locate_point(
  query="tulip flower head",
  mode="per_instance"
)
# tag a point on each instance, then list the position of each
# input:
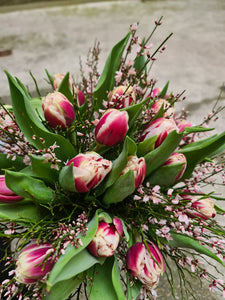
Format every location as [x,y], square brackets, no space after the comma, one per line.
[79,96]
[89,170]
[177,158]
[122,96]
[57,79]
[182,124]
[169,111]
[138,165]
[145,264]
[112,127]
[58,110]
[6,195]
[202,207]
[34,263]
[160,127]
[106,239]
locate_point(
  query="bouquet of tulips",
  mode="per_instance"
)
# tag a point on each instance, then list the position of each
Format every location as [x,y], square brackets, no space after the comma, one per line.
[102,185]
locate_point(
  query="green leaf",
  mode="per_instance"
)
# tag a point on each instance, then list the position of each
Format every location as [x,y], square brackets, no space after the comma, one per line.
[102,285]
[133,112]
[63,289]
[117,281]
[28,187]
[65,260]
[122,188]
[80,262]
[219,209]
[8,163]
[157,157]
[107,79]
[197,151]
[184,241]
[64,88]
[134,289]
[21,211]
[66,178]
[146,146]
[36,104]
[192,129]
[50,77]
[140,60]
[129,148]
[165,175]
[164,90]
[31,125]
[43,169]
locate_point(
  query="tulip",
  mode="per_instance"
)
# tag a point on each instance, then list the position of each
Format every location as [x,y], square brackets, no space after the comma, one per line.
[89,169]
[177,158]
[58,110]
[106,239]
[57,79]
[122,96]
[155,92]
[112,127]
[183,124]
[138,165]
[145,264]
[34,263]
[160,127]
[6,195]
[169,111]
[202,207]
[79,96]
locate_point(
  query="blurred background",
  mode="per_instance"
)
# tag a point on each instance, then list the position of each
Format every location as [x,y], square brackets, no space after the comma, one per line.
[55,35]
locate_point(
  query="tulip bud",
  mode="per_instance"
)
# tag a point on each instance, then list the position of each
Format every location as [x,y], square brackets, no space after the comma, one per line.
[112,127]
[106,239]
[89,169]
[6,195]
[34,263]
[155,92]
[177,158]
[57,79]
[169,111]
[138,165]
[184,123]
[202,207]
[58,110]
[79,96]
[145,264]
[122,96]
[161,127]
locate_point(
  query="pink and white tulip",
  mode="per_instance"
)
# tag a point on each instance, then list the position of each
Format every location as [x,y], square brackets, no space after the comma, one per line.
[160,127]
[202,207]
[183,124]
[106,239]
[112,127]
[169,111]
[122,96]
[34,263]
[58,110]
[145,264]
[79,96]
[57,79]
[6,195]
[89,169]
[137,165]
[177,158]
